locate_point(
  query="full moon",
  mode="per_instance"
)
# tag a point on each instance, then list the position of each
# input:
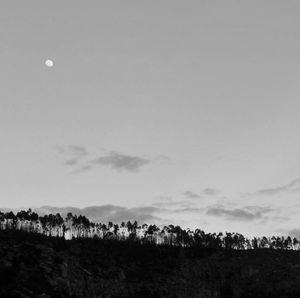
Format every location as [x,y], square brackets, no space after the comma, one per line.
[49,63]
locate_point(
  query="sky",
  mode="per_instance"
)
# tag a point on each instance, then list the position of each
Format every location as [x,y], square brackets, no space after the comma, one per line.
[183,112]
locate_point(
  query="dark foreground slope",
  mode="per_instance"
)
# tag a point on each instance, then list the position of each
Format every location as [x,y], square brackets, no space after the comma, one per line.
[33,265]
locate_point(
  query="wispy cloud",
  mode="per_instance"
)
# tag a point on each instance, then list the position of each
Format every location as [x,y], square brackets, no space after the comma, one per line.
[74,154]
[75,158]
[211,191]
[280,218]
[117,214]
[293,186]
[175,204]
[205,192]
[78,150]
[106,213]
[164,199]
[82,169]
[169,203]
[121,162]
[188,210]
[246,213]
[162,159]
[191,195]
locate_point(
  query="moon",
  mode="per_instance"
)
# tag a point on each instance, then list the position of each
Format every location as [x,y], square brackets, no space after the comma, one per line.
[49,63]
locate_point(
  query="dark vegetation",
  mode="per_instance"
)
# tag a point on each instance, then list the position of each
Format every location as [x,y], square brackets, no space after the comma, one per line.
[32,264]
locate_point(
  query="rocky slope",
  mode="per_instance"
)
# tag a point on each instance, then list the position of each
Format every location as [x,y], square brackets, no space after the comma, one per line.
[33,265]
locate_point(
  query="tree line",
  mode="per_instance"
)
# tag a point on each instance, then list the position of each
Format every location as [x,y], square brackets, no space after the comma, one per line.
[73,226]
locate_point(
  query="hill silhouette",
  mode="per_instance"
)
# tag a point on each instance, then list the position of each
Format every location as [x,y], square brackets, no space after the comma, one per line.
[37,261]
[34,265]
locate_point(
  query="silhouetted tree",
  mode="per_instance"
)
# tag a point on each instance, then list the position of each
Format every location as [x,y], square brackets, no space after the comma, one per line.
[80,226]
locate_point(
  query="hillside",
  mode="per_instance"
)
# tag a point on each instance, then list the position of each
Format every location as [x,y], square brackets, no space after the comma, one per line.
[34,265]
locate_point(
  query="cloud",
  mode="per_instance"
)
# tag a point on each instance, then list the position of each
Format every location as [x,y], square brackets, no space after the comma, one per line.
[163,159]
[205,192]
[175,204]
[53,210]
[188,209]
[191,195]
[71,162]
[82,169]
[168,202]
[258,209]
[78,150]
[211,191]
[75,154]
[117,214]
[165,199]
[293,186]
[122,162]
[280,218]
[118,161]
[246,213]
[106,213]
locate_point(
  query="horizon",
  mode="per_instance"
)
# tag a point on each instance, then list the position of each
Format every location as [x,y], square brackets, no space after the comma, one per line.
[117,215]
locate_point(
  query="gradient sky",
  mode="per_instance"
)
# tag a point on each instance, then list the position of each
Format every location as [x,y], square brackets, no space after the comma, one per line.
[186,111]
